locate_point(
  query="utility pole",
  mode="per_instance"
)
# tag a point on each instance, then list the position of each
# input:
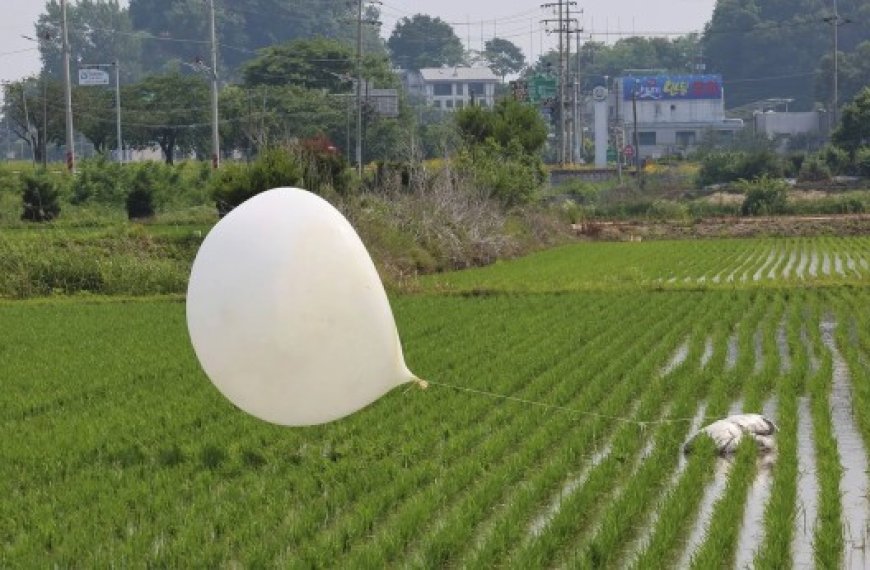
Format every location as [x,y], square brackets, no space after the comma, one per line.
[120,141]
[836,62]
[836,22]
[564,29]
[67,94]
[116,65]
[359,87]
[215,133]
[359,80]
[636,138]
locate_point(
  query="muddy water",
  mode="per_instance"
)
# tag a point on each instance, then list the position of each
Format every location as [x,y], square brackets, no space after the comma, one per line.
[814,264]
[792,258]
[540,523]
[677,359]
[780,260]
[802,266]
[826,264]
[708,352]
[854,483]
[807,490]
[752,529]
[636,548]
[731,355]
[811,355]
[771,257]
[782,348]
[864,264]
[712,494]
[851,265]
[838,265]
[758,343]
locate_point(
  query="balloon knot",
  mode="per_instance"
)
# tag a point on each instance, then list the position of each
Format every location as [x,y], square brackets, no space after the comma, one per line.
[422,384]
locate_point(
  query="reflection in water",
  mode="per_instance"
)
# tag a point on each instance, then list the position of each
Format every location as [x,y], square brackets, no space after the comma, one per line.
[854,483]
[752,530]
[807,490]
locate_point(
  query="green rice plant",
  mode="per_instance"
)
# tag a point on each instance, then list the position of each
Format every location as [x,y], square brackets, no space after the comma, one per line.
[828,540]
[775,550]
[405,526]
[721,538]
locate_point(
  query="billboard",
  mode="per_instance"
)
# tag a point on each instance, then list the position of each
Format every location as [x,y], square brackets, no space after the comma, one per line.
[90,76]
[672,87]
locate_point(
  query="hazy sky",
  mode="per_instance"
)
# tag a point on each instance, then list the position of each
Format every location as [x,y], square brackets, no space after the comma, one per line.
[518,21]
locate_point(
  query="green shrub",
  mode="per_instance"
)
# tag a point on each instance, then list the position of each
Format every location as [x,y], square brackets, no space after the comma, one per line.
[40,196]
[507,175]
[764,196]
[793,164]
[324,169]
[235,183]
[836,158]
[862,161]
[582,192]
[99,181]
[723,167]
[140,198]
[814,169]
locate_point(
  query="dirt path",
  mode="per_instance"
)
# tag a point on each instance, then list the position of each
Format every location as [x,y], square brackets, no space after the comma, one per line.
[781,226]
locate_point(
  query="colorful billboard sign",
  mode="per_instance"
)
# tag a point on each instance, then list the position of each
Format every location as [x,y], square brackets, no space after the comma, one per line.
[672,87]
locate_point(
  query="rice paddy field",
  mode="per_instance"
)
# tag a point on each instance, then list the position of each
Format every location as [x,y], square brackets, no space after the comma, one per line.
[563,387]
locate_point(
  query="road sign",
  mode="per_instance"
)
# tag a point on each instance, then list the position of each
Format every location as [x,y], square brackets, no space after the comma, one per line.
[90,76]
[628,151]
[542,87]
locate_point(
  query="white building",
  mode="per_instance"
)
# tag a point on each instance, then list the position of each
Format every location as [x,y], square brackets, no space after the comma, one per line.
[673,112]
[452,88]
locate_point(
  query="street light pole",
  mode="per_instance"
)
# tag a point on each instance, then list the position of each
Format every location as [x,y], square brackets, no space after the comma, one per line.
[67,93]
[215,133]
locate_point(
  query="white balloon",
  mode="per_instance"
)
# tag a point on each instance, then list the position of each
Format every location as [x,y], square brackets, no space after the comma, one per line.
[287,313]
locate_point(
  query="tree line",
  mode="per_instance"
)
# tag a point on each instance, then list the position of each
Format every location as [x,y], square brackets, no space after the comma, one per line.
[287,66]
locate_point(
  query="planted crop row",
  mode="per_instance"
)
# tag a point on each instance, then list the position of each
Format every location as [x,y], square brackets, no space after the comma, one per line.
[669,264]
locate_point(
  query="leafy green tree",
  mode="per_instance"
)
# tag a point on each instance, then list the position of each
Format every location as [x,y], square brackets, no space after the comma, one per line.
[317,63]
[502,149]
[854,129]
[422,41]
[504,57]
[771,48]
[171,111]
[506,123]
[24,113]
[100,31]
[245,26]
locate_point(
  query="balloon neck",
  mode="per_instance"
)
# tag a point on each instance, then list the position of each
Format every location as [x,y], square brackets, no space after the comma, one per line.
[422,384]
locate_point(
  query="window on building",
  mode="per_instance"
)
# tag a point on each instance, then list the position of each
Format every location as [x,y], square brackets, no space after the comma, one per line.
[646,138]
[686,138]
[481,103]
[459,103]
[478,89]
[437,103]
[442,89]
[448,103]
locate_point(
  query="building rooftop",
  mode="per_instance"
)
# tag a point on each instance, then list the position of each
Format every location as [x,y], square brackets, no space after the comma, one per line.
[458,74]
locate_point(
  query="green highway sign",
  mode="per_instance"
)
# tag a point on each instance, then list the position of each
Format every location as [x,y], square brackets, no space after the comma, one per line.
[541,88]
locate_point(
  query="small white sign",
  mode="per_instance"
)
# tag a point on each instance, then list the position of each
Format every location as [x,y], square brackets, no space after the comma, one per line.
[93,77]
[599,93]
